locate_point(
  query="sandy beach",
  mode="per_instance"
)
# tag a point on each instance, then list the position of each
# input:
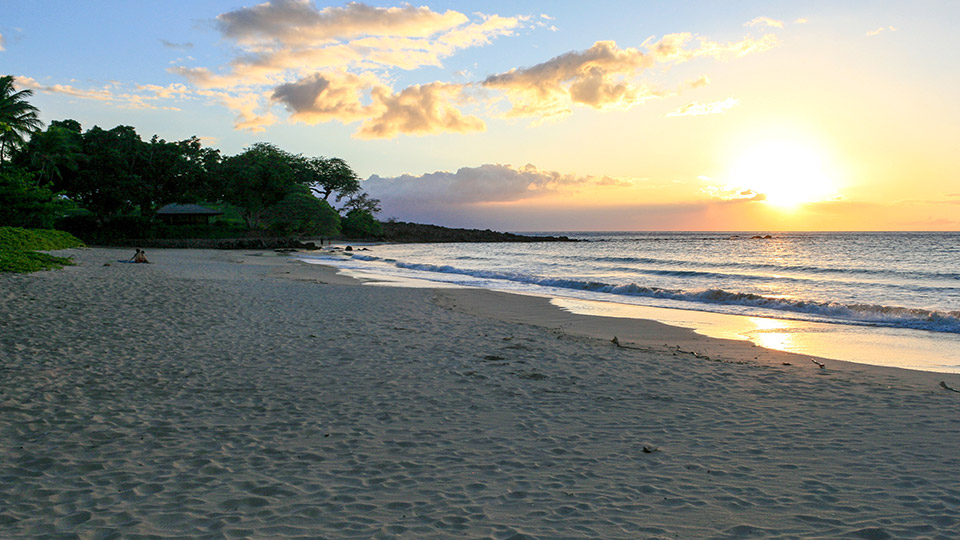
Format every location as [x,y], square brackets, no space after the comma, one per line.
[243,394]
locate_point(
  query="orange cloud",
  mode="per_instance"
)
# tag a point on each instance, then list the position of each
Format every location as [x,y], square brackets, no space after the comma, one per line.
[325,97]
[700,109]
[319,63]
[142,97]
[603,76]
[880,30]
[596,77]
[332,64]
[297,21]
[418,110]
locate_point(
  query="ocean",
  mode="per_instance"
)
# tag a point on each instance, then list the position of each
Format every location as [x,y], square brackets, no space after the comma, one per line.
[880,298]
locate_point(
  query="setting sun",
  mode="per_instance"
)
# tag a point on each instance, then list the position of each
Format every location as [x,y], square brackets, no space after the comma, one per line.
[784,174]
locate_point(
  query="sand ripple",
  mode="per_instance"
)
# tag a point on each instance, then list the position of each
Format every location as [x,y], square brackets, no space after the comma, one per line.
[201,398]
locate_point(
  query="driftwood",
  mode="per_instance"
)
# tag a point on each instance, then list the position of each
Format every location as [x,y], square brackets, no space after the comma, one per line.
[821,364]
[948,387]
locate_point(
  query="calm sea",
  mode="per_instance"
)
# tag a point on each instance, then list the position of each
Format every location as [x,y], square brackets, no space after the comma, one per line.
[881,298]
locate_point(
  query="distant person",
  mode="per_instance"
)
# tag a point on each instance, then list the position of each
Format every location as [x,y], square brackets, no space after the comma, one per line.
[140,256]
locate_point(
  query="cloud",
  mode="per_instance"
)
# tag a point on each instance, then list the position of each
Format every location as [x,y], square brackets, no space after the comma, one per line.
[764,21]
[880,30]
[321,63]
[140,97]
[604,76]
[733,194]
[248,106]
[415,110]
[418,110]
[291,36]
[596,77]
[1,43]
[298,21]
[178,46]
[325,97]
[699,82]
[477,185]
[801,20]
[700,109]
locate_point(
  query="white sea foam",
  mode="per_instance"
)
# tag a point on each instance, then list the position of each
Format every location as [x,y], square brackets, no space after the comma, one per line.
[899,280]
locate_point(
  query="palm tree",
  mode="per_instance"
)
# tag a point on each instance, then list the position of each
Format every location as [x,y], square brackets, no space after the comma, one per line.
[18,118]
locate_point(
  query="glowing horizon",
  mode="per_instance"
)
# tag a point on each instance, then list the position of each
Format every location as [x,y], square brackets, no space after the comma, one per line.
[541,116]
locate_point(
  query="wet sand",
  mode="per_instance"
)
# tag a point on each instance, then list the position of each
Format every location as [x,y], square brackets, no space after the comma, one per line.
[218,394]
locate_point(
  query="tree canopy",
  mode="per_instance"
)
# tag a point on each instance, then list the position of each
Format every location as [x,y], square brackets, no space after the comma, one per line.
[332,175]
[118,180]
[18,118]
[260,177]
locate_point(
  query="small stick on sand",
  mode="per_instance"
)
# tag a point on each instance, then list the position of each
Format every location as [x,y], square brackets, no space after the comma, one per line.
[821,364]
[615,341]
[948,387]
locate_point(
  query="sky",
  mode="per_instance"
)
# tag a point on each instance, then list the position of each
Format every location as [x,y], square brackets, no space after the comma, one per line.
[540,116]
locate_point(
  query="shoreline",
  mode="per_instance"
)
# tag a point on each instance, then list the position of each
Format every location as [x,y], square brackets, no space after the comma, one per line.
[248,394]
[644,334]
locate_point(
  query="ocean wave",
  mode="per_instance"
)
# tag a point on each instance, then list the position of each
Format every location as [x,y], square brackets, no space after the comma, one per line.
[787,268]
[866,314]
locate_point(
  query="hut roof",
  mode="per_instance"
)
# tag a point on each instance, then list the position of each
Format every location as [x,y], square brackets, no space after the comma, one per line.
[188,209]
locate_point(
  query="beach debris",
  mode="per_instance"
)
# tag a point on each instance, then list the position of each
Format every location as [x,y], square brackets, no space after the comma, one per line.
[821,364]
[948,387]
[615,341]
[106,264]
[784,363]
[649,449]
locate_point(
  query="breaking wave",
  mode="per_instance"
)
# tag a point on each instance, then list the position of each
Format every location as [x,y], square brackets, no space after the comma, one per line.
[863,314]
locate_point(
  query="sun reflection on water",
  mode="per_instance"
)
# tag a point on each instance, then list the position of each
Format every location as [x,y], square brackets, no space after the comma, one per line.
[770,333]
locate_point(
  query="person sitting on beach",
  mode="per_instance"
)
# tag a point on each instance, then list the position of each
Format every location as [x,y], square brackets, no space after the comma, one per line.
[140,256]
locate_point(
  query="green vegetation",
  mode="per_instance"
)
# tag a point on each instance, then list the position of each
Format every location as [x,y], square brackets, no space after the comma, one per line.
[361,224]
[18,118]
[106,186]
[19,247]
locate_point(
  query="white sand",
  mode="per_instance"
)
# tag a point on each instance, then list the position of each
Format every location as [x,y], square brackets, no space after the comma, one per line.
[201,398]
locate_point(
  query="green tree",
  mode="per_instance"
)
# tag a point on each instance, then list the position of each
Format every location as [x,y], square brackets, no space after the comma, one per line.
[109,181]
[258,178]
[301,213]
[18,118]
[25,202]
[364,202]
[332,175]
[175,172]
[55,154]
[361,224]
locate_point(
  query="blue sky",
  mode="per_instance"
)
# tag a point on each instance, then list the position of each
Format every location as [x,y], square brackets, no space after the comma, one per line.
[646,107]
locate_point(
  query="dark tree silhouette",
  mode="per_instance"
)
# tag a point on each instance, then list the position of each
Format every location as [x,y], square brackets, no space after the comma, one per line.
[18,118]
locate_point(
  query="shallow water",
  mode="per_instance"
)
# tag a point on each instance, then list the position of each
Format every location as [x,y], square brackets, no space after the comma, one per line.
[878,298]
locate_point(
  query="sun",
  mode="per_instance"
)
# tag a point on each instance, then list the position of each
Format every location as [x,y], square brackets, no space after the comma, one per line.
[784,174]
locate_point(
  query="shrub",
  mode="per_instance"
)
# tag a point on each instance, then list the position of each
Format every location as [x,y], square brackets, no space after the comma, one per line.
[18,249]
[25,203]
